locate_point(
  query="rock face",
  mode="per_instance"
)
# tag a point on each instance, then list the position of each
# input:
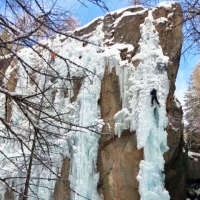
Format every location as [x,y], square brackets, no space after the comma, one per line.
[193,167]
[176,157]
[118,158]
[193,175]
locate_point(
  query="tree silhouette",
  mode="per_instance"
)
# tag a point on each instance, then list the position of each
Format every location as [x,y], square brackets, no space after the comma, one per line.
[192,109]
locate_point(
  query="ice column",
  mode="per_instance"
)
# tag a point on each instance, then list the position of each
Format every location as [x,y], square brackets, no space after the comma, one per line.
[83,176]
[148,122]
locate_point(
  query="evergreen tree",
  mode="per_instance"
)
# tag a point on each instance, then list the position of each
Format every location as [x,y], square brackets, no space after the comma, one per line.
[193,109]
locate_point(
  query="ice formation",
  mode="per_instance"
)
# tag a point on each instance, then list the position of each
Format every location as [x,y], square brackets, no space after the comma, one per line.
[80,144]
[148,122]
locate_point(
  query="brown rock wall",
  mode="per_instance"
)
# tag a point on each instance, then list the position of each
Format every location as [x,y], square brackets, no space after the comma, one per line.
[118,160]
[176,156]
[62,187]
[193,168]
[119,166]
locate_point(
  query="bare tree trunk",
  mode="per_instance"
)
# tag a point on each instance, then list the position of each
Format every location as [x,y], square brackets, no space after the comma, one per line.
[25,194]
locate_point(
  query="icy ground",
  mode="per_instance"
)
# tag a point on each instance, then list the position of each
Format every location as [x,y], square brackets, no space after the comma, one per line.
[80,144]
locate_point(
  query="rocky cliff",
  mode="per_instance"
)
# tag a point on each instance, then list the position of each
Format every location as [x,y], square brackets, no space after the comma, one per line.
[118,160]
[124,150]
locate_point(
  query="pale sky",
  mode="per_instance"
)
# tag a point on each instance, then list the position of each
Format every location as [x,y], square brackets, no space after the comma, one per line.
[86,14]
[185,70]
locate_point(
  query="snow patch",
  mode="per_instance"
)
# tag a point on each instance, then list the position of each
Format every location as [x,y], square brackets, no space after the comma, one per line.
[122,121]
[161,20]
[167,4]
[128,13]
[191,154]
[123,9]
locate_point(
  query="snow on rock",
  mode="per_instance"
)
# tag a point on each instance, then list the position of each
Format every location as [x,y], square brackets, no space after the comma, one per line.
[191,154]
[161,20]
[166,4]
[128,13]
[124,9]
[177,102]
[5,56]
[88,24]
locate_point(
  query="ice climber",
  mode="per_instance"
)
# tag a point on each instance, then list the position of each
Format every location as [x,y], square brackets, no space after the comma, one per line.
[154,97]
[53,55]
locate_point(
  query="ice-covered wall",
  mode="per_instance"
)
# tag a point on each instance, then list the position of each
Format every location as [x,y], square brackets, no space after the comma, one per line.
[130,49]
[148,121]
[78,136]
